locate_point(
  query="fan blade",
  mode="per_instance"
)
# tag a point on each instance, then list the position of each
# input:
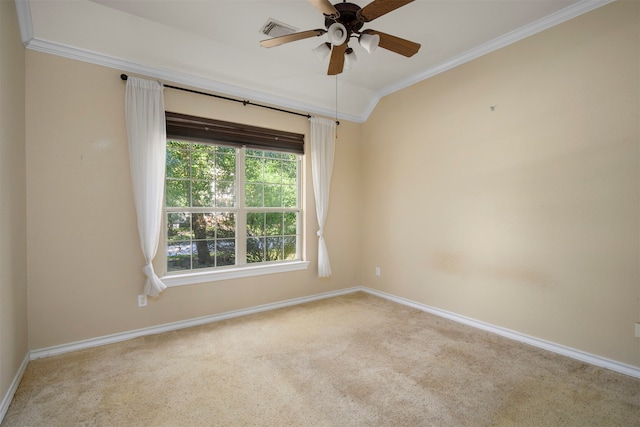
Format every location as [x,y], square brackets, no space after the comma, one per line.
[277,41]
[377,8]
[396,44]
[336,64]
[325,7]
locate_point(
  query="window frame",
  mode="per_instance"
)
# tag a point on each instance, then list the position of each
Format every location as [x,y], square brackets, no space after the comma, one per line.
[197,130]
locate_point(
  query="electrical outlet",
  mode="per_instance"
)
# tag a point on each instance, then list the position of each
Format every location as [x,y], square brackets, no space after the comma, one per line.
[377,271]
[637,329]
[142,300]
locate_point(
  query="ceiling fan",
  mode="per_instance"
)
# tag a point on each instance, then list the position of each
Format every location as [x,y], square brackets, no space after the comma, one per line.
[345,20]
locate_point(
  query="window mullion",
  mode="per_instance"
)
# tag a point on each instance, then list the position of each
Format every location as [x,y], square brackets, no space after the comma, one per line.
[191,201]
[241,217]
[298,206]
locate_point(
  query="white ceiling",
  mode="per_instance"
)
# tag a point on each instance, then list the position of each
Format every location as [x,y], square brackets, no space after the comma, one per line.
[214,44]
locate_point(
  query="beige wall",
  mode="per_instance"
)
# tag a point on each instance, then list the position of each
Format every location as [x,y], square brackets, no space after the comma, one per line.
[526,217]
[13,277]
[84,257]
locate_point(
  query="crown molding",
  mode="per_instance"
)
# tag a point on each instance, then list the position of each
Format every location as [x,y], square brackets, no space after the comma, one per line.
[31,42]
[25,21]
[514,36]
[180,78]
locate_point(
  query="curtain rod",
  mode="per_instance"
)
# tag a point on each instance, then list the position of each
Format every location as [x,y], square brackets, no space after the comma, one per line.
[243,102]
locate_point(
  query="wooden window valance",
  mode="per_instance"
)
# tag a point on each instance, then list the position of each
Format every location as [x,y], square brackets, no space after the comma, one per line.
[199,129]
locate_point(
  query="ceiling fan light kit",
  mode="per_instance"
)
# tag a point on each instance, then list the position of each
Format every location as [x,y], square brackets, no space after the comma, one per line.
[343,21]
[350,58]
[337,34]
[322,51]
[369,41]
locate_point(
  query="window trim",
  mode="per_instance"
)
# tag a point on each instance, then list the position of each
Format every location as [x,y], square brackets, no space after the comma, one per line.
[235,272]
[274,141]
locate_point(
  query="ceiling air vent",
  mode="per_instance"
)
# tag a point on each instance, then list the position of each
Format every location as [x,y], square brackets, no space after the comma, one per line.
[274,28]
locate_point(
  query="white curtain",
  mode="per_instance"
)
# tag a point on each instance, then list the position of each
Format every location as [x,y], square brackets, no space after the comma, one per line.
[144,109]
[323,134]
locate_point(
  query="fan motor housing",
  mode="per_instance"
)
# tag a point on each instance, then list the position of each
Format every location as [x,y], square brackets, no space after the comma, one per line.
[349,17]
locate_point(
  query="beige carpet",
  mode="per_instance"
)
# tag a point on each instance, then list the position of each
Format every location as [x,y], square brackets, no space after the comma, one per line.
[353,360]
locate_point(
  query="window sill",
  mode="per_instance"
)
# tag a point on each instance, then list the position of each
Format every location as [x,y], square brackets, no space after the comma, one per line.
[232,273]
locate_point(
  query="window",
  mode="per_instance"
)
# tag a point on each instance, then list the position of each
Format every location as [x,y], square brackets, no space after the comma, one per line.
[231,199]
[200,200]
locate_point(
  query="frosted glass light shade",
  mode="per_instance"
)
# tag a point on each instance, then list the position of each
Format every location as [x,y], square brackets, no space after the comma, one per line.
[337,34]
[369,42]
[322,51]
[350,58]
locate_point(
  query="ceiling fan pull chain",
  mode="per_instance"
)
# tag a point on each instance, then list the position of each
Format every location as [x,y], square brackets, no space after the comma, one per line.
[336,105]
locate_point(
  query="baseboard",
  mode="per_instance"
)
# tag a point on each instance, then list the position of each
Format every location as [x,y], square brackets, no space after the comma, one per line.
[536,342]
[592,359]
[8,397]
[114,338]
